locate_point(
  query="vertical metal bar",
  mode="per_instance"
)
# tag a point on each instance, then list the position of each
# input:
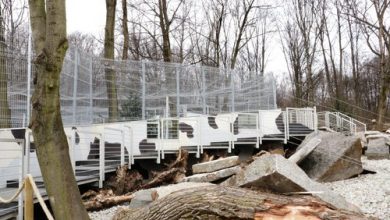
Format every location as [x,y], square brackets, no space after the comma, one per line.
[29,55]
[177,91]
[21,177]
[101,160]
[203,90]
[123,148]
[91,89]
[167,106]
[75,78]
[231,72]
[71,150]
[274,91]
[143,90]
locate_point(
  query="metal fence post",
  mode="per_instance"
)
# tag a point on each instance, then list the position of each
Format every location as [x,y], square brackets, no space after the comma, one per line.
[232,87]
[178,91]
[143,89]
[29,55]
[75,78]
[91,89]
[101,160]
[203,90]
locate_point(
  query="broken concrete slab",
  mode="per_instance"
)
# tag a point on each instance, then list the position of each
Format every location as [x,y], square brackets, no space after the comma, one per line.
[144,197]
[337,157]
[377,149]
[214,176]
[305,150]
[215,165]
[276,173]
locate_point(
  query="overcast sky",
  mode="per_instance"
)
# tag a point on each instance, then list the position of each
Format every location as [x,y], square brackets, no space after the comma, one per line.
[88,16]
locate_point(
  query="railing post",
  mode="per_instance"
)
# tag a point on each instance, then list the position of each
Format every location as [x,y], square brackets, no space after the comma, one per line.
[160,138]
[29,70]
[123,148]
[71,150]
[143,90]
[177,91]
[232,88]
[91,89]
[101,160]
[260,128]
[285,118]
[203,90]
[21,178]
[75,81]
[257,131]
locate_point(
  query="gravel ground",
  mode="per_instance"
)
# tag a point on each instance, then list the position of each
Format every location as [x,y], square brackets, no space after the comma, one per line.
[370,192]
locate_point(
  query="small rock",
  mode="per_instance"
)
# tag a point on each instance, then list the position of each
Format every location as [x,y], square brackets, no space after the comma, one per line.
[215,165]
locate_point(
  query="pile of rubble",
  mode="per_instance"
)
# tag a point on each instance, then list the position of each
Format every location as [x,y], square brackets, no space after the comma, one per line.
[321,159]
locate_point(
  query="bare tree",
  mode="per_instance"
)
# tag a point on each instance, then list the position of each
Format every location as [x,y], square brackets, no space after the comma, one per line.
[125,31]
[48,23]
[109,53]
[378,29]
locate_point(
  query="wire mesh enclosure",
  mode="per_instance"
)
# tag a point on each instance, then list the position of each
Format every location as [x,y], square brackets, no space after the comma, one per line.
[142,89]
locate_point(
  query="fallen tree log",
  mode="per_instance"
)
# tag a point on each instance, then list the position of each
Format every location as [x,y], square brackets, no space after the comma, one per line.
[218,202]
[105,202]
[173,174]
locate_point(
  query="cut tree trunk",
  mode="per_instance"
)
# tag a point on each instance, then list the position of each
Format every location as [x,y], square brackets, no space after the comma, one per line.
[217,202]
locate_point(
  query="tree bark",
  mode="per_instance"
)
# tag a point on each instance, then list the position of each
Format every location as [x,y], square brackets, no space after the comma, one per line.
[5,113]
[48,24]
[109,52]
[217,202]
[125,52]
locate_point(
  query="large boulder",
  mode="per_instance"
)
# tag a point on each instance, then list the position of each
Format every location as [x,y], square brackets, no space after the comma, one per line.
[214,165]
[213,176]
[146,196]
[337,157]
[276,173]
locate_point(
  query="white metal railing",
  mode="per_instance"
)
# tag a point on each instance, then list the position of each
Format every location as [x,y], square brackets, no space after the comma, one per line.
[340,122]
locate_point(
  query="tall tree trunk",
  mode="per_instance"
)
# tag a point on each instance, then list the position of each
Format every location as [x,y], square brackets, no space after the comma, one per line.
[217,202]
[48,24]
[125,52]
[109,51]
[165,29]
[5,113]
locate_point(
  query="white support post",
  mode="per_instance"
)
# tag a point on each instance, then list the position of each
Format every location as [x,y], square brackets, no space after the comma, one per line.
[75,79]
[91,89]
[29,57]
[123,148]
[260,128]
[257,131]
[177,92]
[72,146]
[160,139]
[203,90]
[285,117]
[27,138]
[232,88]
[101,160]
[143,90]
[315,116]
[21,177]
